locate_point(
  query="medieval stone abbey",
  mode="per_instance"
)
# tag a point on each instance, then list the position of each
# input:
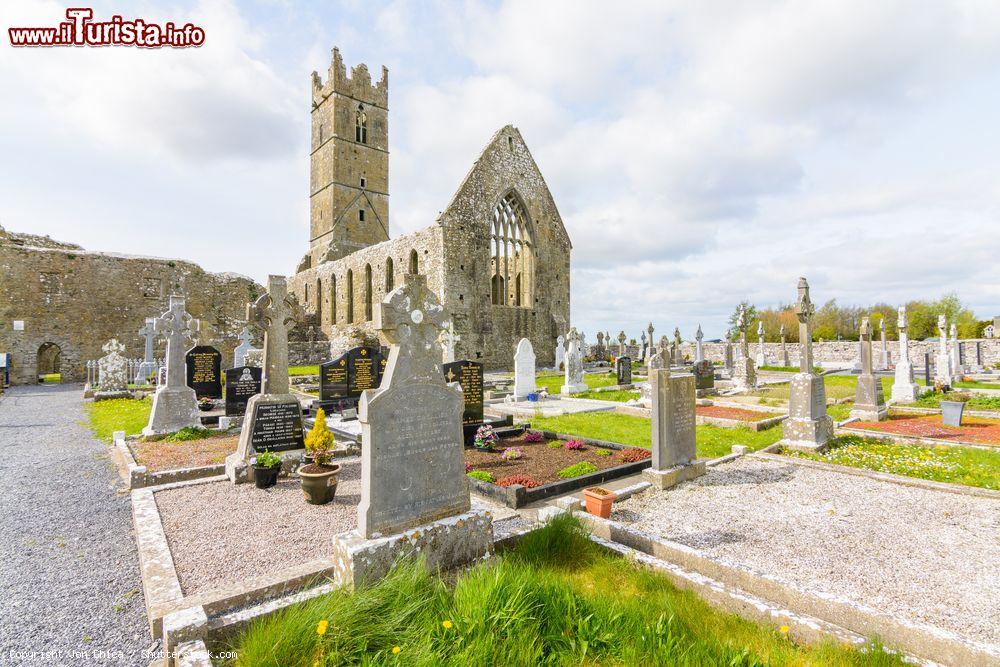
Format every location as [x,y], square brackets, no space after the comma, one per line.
[498,256]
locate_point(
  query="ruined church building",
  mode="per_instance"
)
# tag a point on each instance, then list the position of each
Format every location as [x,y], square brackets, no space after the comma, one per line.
[498,257]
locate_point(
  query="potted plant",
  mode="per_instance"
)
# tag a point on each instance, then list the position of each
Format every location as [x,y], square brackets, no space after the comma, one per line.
[266,468]
[319,478]
[205,404]
[598,500]
[951,410]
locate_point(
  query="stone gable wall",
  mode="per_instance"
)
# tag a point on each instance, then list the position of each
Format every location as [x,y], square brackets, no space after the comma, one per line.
[79,299]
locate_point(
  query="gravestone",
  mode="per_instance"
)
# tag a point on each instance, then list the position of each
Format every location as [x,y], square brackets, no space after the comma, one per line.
[600,345]
[203,365]
[175,405]
[652,341]
[242,384]
[246,344]
[927,370]
[560,351]
[573,373]
[943,375]
[673,430]
[524,370]
[469,376]
[113,371]
[704,378]
[699,351]
[623,370]
[448,341]
[643,350]
[678,358]
[869,405]
[148,366]
[761,351]
[342,380]
[957,368]
[412,472]
[884,363]
[621,344]
[728,360]
[744,374]
[784,350]
[904,389]
[273,417]
[808,427]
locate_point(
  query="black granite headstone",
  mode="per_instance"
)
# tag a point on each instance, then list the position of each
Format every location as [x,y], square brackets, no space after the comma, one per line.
[927,369]
[342,380]
[204,371]
[241,383]
[278,427]
[623,370]
[469,375]
[704,375]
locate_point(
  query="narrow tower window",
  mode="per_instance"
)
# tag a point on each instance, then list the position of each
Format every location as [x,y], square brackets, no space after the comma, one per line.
[333,299]
[361,125]
[414,262]
[350,296]
[361,215]
[368,292]
[390,279]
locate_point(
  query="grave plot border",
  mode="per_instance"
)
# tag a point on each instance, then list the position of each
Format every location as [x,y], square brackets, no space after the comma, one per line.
[701,420]
[517,496]
[845,428]
[138,476]
[916,639]
[917,410]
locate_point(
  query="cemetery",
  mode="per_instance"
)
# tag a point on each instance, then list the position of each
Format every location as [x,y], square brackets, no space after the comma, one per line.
[411,450]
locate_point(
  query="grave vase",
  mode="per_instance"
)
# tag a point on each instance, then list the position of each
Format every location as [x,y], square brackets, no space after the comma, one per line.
[319,485]
[599,501]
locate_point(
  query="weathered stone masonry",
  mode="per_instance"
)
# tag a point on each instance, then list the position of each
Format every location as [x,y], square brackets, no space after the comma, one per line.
[72,301]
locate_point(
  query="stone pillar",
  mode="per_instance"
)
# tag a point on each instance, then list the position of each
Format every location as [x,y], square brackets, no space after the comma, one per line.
[808,427]
[942,374]
[884,365]
[673,436]
[904,389]
[784,350]
[869,404]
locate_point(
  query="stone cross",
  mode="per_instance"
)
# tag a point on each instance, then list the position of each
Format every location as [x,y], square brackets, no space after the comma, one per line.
[761,355]
[573,375]
[240,353]
[885,346]
[621,343]
[741,324]
[943,373]
[804,311]
[678,357]
[560,350]
[956,353]
[275,312]
[784,350]
[904,389]
[650,330]
[600,342]
[866,346]
[699,352]
[448,340]
[642,338]
[176,325]
[149,333]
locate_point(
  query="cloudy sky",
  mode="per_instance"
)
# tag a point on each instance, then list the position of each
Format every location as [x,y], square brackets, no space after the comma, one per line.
[700,153]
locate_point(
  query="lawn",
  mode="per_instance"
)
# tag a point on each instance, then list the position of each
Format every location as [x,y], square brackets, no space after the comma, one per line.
[618,396]
[51,378]
[972,384]
[955,465]
[838,387]
[556,599]
[118,414]
[976,401]
[593,380]
[302,370]
[713,441]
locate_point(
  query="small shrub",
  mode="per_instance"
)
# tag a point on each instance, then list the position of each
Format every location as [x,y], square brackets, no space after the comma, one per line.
[577,469]
[486,438]
[554,444]
[634,454]
[575,445]
[319,440]
[482,476]
[188,433]
[511,454]
[266,459]
[603,452]
[468,467]
[533,437]
[527,481]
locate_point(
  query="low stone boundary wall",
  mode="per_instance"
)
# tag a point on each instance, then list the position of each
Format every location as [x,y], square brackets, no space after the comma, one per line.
[137,476]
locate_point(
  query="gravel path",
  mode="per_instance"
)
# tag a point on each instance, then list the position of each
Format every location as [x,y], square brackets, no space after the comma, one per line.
[69,572]
[924,555]
[222,533]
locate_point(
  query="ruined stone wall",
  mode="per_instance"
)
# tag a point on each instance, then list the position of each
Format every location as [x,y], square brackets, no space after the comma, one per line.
[78,299]
[490,333]
[324,291]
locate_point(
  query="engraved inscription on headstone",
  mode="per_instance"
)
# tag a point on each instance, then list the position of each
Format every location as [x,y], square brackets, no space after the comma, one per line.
[277,427]
[204,371]
[351,373]
[469,375]
[241,384]
[623,370]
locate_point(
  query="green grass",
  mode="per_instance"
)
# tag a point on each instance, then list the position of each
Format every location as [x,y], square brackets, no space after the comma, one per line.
[972,384]
[302,370]
[118,414]
[712,441]
[787,369]
[577,469]
[51,378]
[837,387]
[976,402]
[593,380]
[556,599]
[618,396]
[839,412]
[185,434]
[955,465]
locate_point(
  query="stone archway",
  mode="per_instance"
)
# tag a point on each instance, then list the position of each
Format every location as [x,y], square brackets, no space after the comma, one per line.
[49,361]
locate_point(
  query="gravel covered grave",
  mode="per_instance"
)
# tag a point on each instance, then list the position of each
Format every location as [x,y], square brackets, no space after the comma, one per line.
[927,556]
[222,533]
[165,455]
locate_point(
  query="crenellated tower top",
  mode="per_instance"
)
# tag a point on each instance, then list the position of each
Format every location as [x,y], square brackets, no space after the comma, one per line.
[357,86]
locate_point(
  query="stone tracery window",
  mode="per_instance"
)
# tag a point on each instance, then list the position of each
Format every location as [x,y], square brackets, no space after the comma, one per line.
[368,292]
[361,125]
[350,296]
[390,279]
[512,249]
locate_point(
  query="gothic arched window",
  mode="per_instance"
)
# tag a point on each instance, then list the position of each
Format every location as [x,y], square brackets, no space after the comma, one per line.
[333,299]
[368,292]
[512,250]
[350,296]
[361,125]
[414,262]
[390,279]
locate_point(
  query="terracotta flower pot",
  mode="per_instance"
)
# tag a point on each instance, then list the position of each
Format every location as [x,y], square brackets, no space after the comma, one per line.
[319,482]
[598,500]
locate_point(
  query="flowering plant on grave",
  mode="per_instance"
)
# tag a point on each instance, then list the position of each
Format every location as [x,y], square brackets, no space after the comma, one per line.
[319,440]
[526,481]
[205,402]
[574,445]
[533,437]
[511,454]
[634,454]
[486,438]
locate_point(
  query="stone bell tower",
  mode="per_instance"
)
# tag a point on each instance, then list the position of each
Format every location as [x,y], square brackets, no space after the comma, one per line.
[349,163]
